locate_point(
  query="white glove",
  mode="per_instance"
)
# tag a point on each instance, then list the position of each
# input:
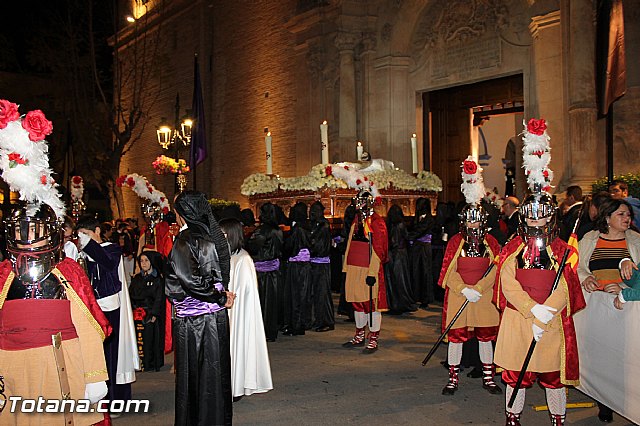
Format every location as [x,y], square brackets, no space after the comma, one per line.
[94,392]
[544,313]
[83,239]
[537,332]
[471,294]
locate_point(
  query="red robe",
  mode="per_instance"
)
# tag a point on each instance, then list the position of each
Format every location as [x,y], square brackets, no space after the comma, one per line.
[576,303]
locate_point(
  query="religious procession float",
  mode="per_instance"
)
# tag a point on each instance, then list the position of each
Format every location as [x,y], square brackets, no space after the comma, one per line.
[336,184]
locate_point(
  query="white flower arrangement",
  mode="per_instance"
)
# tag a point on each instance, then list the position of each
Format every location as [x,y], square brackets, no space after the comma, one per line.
[317,178]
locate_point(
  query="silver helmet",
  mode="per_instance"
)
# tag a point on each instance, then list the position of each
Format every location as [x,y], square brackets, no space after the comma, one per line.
[34,242]
[363,202]
[538,206]
[473,236]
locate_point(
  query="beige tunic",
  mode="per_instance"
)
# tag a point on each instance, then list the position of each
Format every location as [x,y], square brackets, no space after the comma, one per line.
[356,289]
[32,373]
[515,334]
[482,313]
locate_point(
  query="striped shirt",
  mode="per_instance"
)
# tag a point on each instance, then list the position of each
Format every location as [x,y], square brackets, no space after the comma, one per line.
[605,259]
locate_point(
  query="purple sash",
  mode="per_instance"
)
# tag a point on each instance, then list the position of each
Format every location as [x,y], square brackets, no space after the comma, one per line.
[425,239]
[267,265]
[302,256]
[323,260]
[192,307]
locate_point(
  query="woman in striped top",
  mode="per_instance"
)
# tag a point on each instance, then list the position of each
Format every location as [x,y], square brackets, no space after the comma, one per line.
[608,254]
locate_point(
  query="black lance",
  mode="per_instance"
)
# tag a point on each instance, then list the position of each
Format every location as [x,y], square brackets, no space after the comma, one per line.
[532,346]
[453,320]
[371,287]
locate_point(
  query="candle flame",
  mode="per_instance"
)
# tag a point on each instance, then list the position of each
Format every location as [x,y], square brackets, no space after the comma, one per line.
[414,135]
[324,122]
[359,143]
[268,133]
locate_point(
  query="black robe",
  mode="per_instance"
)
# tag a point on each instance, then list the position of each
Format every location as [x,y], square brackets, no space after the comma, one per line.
[421,262]
[321,275]
[266,244]
[397,272]
[298,301]
[202,345]
[147,300]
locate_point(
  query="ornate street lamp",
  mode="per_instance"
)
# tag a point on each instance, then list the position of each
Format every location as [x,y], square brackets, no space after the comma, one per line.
[179,136]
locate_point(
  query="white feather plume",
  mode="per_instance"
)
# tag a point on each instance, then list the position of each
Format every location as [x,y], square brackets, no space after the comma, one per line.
[472,183]
[145,190]
[30,174]
[536,155]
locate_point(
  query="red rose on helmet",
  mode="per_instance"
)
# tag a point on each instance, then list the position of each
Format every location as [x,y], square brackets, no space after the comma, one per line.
[469,167]
[8,113]
[15,159]
[537,127]
[77,180]
[37,125]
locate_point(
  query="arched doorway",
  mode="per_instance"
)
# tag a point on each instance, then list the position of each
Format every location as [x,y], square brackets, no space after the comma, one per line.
[449,121]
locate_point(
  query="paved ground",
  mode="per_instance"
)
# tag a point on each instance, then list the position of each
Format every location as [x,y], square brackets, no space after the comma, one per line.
[317,382]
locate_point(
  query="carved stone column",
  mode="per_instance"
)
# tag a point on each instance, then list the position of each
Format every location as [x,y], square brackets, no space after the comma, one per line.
[548,82]
[583,142]
[346,43]
[368,48]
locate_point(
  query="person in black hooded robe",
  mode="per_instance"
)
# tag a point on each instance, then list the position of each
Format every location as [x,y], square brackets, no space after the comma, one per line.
[196,282]
[298,302]
[148,303]
[321,269]
[339,248]
[420,253]
[265,247]
[396,271]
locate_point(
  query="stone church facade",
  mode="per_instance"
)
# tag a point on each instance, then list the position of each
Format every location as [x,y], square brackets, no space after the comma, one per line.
[379,71]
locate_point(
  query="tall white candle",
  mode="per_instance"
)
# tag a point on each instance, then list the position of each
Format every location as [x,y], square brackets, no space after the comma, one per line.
[267,142]
[414,153]
[324,137]
[359,151]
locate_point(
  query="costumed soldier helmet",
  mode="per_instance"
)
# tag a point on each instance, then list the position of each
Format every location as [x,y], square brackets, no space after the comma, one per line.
[538,210]
[364,202]
[473,217]
[34,231]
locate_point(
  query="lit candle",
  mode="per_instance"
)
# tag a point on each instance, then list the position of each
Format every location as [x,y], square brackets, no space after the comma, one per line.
[359,151]
[414,153]
[324,137]
[267,142]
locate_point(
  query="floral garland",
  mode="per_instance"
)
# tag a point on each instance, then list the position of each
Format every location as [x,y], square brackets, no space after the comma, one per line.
[318,177]
[472,182]
[166,165]
[536,155]
[77,188]
[24,158]
[144,189]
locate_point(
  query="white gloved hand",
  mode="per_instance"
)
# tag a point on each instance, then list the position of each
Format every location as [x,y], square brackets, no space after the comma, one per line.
[537,332]
[83,239]
[94,392]
[543,313]
[471,294]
